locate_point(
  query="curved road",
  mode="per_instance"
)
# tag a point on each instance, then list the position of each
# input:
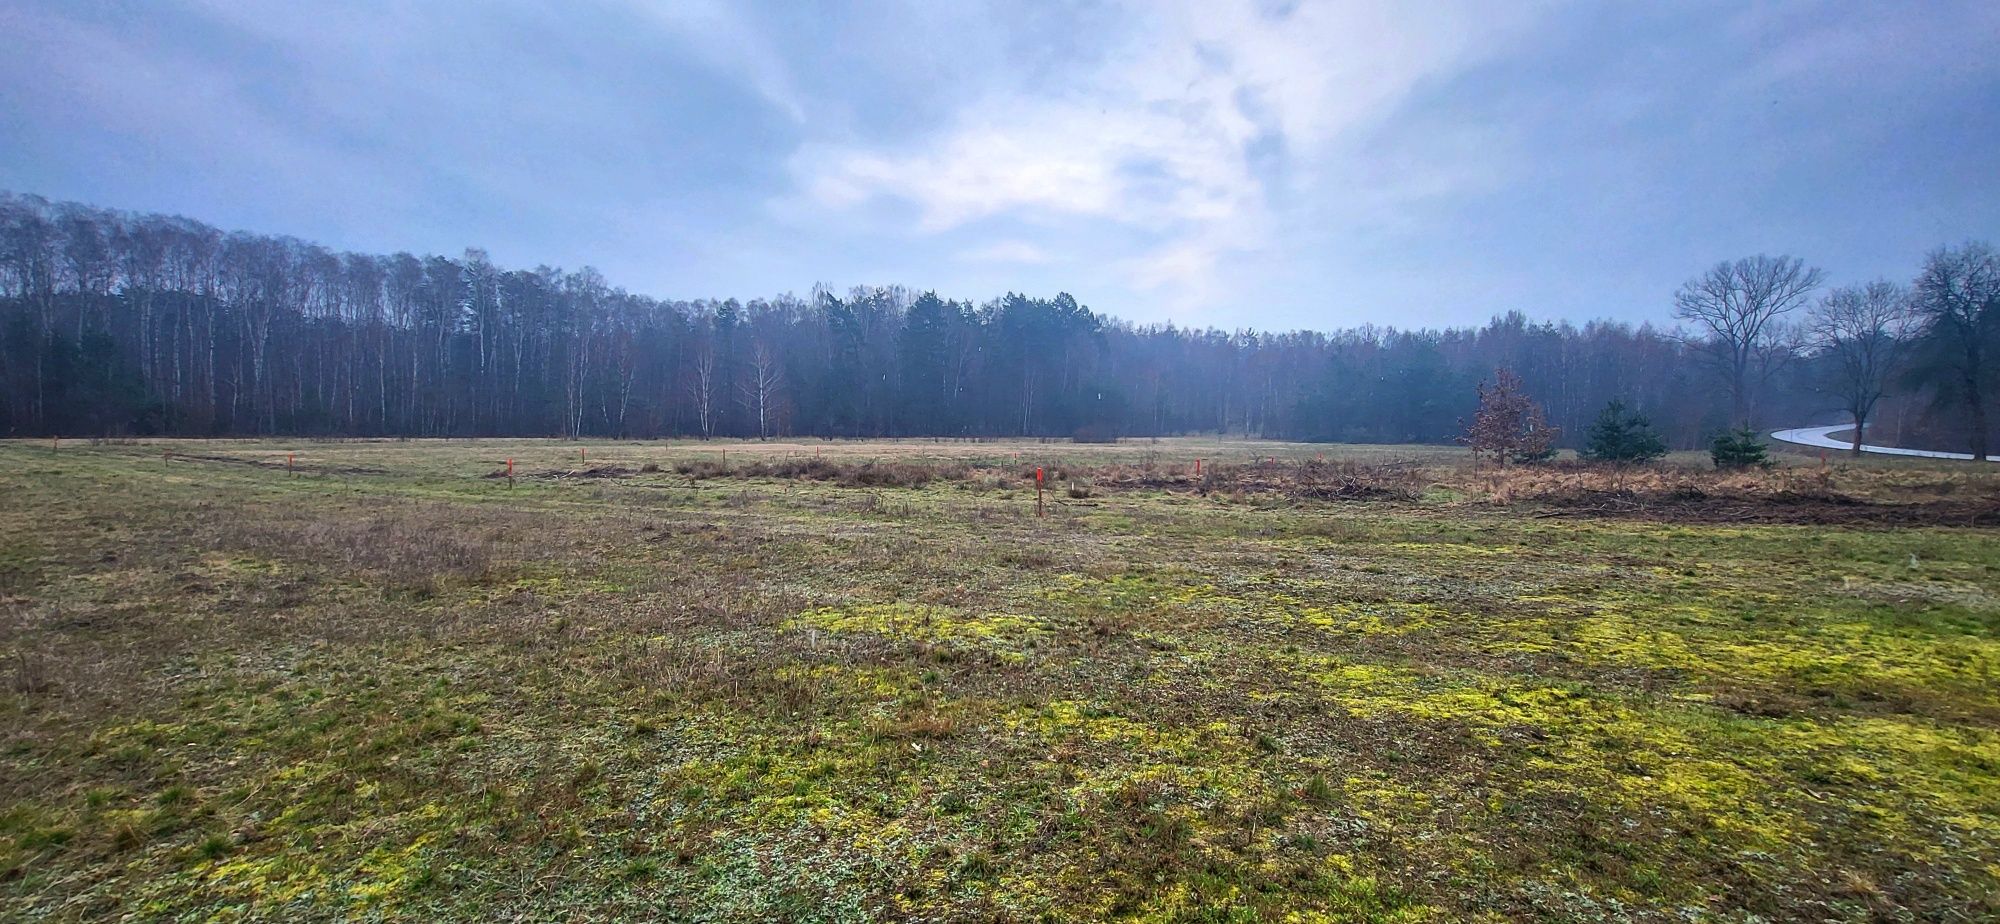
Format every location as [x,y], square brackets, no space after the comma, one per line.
[1817,438]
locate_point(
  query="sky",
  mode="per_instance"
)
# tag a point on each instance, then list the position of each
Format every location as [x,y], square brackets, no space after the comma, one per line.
[1262,164]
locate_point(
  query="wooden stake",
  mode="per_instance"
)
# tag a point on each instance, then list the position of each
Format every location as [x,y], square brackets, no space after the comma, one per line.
[1197,467]
[288,464]
[510,473]
[1040,510]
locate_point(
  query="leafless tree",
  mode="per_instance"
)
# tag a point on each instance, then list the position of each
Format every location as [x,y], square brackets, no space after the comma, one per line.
[760,390]
[1958,301]
[1740,305]
[1861,332]
[701,386]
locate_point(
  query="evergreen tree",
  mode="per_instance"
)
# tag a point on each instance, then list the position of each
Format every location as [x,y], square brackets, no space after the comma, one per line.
[1740,449]
[1621,434]
[922,349]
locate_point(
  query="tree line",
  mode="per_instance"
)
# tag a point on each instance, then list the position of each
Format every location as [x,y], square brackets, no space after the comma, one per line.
[114,323]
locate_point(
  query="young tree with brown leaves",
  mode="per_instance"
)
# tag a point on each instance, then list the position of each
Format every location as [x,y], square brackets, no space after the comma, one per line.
[1509,426]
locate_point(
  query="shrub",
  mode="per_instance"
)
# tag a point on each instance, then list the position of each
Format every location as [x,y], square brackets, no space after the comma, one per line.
[1622,435]
[1509,426]
[1739,449]
[885,475]
[702,468]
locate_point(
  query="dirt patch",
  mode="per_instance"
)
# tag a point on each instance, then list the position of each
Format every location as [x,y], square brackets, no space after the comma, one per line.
[1331,481]
[1686,505]
[847,474]
[1305,481]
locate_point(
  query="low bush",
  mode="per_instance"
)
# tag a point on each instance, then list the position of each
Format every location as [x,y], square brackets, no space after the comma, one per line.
[1735,449]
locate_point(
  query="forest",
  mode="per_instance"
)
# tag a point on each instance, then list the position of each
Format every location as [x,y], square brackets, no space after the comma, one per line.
[121,324]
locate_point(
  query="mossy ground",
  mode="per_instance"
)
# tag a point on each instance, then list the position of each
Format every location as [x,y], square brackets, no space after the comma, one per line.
[388,688]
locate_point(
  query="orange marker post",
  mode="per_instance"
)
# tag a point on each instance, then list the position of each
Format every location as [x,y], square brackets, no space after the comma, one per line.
[1040,511]
[289,458]
[510,473]
[1197,467]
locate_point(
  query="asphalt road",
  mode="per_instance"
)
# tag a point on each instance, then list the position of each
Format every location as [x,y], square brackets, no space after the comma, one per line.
[1818,438]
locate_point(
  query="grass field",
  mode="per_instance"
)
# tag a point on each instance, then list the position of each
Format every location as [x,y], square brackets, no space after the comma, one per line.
[862,681]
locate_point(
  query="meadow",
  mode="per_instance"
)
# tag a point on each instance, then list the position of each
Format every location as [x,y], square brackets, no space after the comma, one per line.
[853,681]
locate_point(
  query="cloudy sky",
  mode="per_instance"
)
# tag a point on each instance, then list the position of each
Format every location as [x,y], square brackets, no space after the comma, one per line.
[1260,163]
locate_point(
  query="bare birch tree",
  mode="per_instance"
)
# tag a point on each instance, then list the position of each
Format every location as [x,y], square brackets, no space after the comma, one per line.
[760,391]
[701,386]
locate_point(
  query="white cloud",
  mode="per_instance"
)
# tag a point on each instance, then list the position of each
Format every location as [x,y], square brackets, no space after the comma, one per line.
[1157,136]
[1012,251]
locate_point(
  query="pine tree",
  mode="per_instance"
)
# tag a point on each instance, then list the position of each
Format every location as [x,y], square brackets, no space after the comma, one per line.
[1621,434]
[1739,449]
